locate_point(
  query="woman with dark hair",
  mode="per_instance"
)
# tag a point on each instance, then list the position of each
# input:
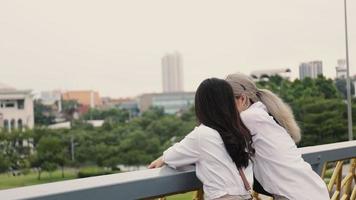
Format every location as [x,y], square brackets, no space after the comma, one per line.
[220,147]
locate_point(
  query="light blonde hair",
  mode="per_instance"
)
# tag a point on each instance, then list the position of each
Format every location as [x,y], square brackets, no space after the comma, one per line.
[282,113]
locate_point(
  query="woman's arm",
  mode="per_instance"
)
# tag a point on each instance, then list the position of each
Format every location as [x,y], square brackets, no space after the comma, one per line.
[183,153]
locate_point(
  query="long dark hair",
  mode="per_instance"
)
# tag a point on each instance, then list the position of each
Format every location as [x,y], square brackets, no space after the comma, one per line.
[215,108]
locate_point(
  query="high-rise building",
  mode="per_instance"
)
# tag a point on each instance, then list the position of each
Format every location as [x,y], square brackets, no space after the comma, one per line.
[310,69]
[172,72]
[341,70]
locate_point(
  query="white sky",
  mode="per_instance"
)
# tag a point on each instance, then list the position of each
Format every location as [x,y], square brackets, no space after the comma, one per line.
[115,47]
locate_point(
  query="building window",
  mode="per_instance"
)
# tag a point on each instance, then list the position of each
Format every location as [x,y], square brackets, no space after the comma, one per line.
[19,124]
[9,105]
[6,125]
[12,124]
[21,104]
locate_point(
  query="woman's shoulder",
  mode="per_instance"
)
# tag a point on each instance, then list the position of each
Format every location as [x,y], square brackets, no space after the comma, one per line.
[203,129]
[256,112]
[204,132]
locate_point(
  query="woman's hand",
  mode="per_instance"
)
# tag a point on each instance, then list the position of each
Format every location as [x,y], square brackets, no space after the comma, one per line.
[157,163]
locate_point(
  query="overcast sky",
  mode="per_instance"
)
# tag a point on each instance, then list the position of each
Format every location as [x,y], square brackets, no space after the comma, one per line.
[115,47]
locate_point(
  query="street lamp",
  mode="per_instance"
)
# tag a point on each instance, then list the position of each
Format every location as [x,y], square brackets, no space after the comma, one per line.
[348,81]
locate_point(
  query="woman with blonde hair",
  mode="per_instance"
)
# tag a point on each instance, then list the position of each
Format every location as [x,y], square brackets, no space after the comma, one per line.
[278,164]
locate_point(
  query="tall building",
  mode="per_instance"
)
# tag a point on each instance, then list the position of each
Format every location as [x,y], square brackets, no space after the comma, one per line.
[16,108]
[172,73]
[341,70]
[310,69]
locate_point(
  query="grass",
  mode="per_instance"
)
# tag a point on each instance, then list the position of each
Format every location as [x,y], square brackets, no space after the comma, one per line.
[8,181]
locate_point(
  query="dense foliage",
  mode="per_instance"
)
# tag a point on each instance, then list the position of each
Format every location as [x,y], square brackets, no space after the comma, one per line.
[118,141]
[318,106]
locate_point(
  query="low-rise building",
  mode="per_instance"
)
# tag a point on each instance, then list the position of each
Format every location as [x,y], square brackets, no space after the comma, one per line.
[16,108]
[84,97]
[128,104]
[172,103]
[108,102]
[131,106]
[266,74]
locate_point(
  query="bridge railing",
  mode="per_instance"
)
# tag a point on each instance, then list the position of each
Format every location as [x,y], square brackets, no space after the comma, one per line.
[154,182]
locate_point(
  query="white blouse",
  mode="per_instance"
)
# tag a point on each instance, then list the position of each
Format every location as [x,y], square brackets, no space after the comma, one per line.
[278,163]
[214,167]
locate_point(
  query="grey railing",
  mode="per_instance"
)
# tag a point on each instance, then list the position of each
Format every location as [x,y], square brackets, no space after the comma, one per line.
[155,182]
[316,156]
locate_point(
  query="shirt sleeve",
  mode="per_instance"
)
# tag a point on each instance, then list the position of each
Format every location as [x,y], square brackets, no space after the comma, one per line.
[185,152]
[262,125]
[252,118]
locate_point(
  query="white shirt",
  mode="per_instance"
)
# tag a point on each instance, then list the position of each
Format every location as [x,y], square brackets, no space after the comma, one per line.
[214,167]
[278,163]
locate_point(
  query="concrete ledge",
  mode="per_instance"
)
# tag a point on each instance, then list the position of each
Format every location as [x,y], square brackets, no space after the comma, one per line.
[155,182]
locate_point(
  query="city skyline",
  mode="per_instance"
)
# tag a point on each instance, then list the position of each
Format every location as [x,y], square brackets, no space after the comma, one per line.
[118,57]
[38,93]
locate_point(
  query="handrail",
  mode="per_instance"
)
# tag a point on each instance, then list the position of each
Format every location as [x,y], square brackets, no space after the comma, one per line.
[154,182]
[130,185]
[316,156]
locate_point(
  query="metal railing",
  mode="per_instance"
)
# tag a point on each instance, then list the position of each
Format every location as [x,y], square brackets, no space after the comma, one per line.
[155,182]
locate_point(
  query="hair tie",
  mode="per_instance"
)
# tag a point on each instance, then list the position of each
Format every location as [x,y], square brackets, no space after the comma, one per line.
[243,87]
[258,93]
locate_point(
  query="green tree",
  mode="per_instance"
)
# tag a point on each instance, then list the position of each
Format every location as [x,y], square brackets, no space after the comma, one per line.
[314,102]
[165,128]
[43,114]
[118,115]
[138,148]
[4,163]
[322,121]
[341,87]
[14,150]
[69,107]
[50,154]
[326,87]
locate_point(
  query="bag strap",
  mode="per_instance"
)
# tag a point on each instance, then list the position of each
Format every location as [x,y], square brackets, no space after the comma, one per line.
[246,183]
